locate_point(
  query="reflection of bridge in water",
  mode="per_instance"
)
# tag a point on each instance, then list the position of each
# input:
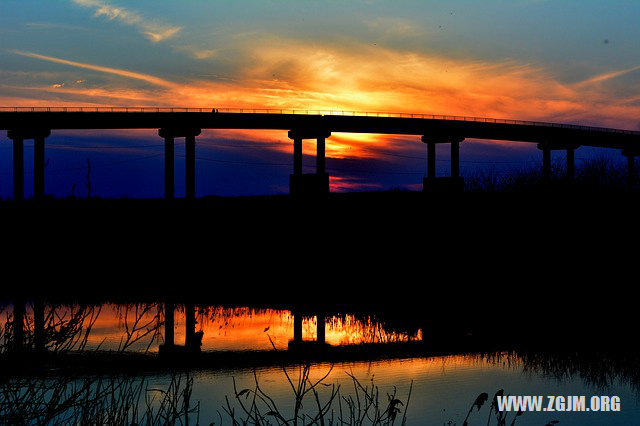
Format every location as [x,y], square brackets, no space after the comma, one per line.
[38,123]
[193,338]
[30,336]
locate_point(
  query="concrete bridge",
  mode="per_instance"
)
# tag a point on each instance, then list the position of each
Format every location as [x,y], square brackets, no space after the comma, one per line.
[37,123]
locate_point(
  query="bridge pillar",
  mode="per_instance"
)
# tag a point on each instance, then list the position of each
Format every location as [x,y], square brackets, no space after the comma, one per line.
[169,167]
[432,183]
[18,136]
[571,163]
[632,173]
[190,167]
[312,183]
[38,168]
[297,157]
[455,159]
[547,147]
[320,156]
[169,135]
[18,169]
[546,162]
[431,160]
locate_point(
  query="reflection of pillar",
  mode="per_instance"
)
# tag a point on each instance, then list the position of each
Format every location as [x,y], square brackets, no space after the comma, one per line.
[190,166]
[190,325]
[297,327]
[18,325]
[321,330]
[169,161]
[38,325]
[18,169]
[169,323]
[38,168]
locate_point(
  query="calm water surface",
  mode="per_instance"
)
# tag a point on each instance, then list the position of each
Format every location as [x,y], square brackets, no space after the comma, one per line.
[443,388]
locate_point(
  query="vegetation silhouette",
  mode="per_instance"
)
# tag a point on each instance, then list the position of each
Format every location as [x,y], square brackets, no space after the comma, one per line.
[72,383]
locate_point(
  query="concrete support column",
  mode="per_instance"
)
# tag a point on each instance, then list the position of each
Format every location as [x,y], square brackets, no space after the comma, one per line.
[18,169]
[546,162]
[190,167]
[297,156]
[453,183]
[38,168]
[631,171]
[169,135]
[38,325]
[311,184]
[169,167]
[297,327]
[455,159]
[321,329]
[320,156]
[18,137]
[169,324]
[431,160]
[571,163]
[190,325]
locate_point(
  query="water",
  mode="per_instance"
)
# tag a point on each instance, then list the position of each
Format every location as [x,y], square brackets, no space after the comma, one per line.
[443,389]
[399,360]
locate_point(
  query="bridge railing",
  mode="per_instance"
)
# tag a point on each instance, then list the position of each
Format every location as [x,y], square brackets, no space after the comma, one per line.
[313,112]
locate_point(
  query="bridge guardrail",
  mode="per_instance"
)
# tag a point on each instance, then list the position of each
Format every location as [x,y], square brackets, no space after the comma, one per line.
[314,112]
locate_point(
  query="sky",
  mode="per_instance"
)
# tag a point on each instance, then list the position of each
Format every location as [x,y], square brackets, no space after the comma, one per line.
[560,61]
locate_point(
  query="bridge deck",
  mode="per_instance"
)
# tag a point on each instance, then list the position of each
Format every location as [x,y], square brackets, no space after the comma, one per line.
[380,123]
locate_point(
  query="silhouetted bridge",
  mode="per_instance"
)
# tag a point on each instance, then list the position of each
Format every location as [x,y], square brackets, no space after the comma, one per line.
[37,123]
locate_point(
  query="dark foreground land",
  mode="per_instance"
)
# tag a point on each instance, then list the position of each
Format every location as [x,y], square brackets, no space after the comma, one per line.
[553,250]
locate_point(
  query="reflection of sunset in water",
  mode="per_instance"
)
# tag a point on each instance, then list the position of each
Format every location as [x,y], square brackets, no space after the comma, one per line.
[249,329]
[140,327]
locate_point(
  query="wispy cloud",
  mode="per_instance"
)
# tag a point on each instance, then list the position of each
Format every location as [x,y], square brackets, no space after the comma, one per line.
[606,76]
[116,71]
[53,26]
[197,52]
[153,30]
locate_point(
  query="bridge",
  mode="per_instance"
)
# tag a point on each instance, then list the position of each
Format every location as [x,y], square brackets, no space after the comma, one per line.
[37,123]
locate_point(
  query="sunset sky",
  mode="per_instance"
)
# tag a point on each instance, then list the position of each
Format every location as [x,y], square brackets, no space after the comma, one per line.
[561,61]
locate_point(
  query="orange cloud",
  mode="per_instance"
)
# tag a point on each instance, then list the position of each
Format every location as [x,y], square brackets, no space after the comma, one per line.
[290,74]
